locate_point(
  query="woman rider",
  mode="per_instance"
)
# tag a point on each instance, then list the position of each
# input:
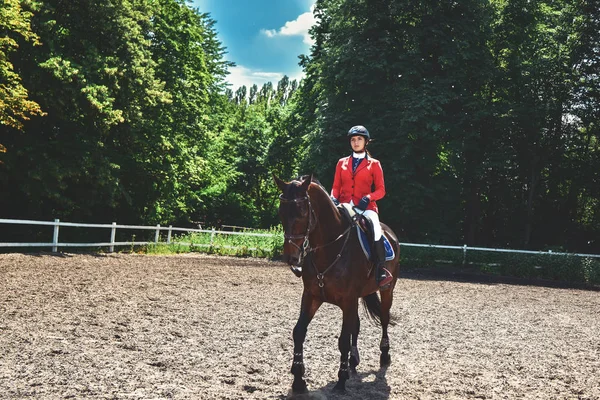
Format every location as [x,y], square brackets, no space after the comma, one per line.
[355,177]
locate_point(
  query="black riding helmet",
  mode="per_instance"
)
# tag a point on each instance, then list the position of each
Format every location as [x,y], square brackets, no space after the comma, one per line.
[359,130]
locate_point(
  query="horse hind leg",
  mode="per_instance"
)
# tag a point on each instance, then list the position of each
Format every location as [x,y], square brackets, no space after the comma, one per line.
[385,359]
[384,345]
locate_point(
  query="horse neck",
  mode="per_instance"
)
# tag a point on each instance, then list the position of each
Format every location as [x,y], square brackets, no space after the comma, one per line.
[329,224]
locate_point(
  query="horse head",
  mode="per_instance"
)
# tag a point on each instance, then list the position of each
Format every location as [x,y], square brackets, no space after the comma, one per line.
[297,218]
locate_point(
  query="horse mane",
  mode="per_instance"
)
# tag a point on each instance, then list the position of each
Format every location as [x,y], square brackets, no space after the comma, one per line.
[302,178]
[319,185]
[314,180]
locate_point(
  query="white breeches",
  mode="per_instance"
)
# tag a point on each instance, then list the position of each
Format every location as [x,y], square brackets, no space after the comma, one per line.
[374,217]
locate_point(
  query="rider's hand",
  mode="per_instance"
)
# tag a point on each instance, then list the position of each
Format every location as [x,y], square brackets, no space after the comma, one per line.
[335,201]
[364,202]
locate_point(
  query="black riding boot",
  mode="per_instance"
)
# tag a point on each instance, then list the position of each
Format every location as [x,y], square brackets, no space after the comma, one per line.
[382,275]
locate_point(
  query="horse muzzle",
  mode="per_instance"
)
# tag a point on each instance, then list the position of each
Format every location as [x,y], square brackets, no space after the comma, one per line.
[294,260]
[294,254]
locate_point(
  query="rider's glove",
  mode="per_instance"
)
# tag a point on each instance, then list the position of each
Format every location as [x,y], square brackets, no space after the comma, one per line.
[335,201]
[364,202]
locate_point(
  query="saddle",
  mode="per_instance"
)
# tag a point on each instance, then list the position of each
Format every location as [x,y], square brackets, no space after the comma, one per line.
[366,232]
[362,222]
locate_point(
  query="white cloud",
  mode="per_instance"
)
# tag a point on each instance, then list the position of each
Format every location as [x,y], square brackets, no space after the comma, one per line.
[297,27]
[241,76]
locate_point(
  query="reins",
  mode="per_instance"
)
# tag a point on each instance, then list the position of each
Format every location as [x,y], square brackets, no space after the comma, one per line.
[321,275]
[306,249]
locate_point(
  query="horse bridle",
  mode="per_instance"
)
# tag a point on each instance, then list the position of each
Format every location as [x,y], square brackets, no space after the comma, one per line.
[305,249]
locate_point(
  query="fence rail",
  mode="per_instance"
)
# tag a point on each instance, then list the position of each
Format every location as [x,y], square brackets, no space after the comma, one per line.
[465,248]
[55,244]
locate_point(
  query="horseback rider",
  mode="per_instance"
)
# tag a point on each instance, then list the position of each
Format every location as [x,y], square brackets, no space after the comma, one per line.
[354,178]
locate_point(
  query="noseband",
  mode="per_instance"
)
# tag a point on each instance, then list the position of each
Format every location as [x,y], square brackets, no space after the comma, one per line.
[305,249]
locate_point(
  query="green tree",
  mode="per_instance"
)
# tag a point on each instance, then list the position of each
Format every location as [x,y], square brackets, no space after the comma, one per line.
[189,61]
[15,104]
[257,141]
[95,77]
[399,69]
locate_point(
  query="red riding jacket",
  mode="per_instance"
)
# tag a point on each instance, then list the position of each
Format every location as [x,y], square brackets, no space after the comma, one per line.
[366,181]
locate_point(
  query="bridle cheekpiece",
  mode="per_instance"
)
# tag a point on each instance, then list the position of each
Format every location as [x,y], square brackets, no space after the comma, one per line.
[289,238]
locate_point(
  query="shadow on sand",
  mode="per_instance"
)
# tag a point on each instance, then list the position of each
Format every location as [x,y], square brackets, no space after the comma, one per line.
[370,385]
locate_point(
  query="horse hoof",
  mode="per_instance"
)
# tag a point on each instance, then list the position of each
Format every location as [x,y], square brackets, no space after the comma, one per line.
[299,388]
[340,387]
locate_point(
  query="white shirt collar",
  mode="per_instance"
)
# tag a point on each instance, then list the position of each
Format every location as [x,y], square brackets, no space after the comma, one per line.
[359,155]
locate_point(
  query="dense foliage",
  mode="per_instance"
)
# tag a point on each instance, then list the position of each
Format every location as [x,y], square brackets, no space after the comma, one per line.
[485,115]
[15,107]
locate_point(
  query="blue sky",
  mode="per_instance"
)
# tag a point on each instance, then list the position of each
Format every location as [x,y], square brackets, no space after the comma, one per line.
[263,37]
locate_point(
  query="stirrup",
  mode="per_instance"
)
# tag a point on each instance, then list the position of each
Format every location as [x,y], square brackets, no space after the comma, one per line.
[385,281]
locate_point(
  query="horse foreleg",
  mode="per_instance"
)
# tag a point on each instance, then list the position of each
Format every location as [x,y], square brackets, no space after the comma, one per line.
[354,356]
[307,311]
[350,313]
[386,304]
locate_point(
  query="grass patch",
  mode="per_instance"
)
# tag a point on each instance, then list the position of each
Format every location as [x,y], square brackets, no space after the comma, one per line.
[270,245]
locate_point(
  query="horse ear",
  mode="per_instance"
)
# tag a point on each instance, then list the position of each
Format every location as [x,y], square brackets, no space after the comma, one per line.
[281,184]
[307,182]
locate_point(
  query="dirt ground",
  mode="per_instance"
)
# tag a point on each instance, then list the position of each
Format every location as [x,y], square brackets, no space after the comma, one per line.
[208,327]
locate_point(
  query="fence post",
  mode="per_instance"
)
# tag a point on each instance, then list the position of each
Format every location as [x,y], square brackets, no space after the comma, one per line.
[55,236]
[156,236]
[464,255]
[169,234]
[212,236]
[113,234]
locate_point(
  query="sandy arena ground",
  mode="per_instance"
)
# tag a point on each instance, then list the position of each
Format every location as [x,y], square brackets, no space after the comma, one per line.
[208,327]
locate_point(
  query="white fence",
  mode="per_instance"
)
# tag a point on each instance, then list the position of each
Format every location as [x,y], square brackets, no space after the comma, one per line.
[55,244]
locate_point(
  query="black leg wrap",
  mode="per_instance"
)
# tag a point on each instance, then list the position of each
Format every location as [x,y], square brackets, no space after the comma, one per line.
[343,372]
[384,346]
[343,376]
[354,358]
[298,365]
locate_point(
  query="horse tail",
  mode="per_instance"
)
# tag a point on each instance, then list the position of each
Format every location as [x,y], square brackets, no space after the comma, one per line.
[372,306]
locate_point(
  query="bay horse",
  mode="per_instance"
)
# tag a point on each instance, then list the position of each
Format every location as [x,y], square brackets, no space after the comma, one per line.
[335,270]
